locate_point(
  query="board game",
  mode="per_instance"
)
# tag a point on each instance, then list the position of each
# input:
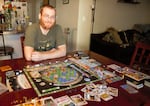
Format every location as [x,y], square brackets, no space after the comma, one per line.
[58,76]
[49,78]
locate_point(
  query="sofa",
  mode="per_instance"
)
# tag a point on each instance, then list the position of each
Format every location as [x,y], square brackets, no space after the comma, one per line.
[121,50]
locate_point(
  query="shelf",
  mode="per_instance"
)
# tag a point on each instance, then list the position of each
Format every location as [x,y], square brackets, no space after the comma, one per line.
[128,1]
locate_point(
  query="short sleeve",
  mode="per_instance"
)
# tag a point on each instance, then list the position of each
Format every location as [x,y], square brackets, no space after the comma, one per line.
[60,37]
[30,34]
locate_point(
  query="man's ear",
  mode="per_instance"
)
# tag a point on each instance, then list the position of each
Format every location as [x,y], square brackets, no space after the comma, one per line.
[39,15]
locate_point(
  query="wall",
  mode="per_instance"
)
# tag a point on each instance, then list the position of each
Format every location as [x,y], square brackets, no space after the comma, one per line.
[1,4]
[77,16]
[120,15]
[67,17]
[84,24]
[12,40]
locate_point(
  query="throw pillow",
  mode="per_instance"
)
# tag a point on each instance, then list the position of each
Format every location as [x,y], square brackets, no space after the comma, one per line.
[112,36]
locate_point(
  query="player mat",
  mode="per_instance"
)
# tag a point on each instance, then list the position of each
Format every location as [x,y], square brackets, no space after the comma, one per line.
[54,77]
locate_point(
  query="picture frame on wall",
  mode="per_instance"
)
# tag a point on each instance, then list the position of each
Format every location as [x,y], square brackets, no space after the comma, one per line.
[65,1]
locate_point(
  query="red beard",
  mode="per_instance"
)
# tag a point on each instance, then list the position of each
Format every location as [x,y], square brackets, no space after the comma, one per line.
[44,26]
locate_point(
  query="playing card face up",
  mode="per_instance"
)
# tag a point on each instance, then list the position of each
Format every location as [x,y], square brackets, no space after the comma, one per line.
[106,97]
[78,100]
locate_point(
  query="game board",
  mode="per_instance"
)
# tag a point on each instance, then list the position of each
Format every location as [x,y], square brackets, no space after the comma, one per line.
[53,77]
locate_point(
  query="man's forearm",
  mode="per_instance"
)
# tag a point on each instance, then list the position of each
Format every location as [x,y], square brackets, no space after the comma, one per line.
[55,53]
[28,52]
[51,54]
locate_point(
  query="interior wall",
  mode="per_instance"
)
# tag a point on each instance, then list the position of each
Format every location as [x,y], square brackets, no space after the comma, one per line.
[84,24]
[110,13]
[67,14]
[1,4]
[67,17]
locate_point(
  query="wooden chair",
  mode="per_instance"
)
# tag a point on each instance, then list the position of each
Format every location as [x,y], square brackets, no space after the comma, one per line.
[141,57]
[22,44]
[5,50]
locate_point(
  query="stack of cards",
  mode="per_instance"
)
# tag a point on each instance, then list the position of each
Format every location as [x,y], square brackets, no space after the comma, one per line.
[97,92]
[115,67]
[129,89]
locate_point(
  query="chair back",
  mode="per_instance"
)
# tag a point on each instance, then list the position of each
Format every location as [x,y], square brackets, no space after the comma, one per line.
[5,50]
[22,44]
[141,54]
[4,47]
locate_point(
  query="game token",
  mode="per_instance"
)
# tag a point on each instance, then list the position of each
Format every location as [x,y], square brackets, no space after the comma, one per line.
[17,73]
[87,79]
[42,83]
[50,83]
[38,80]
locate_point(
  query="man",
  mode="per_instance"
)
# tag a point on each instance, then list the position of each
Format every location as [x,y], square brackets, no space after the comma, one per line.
[44,40]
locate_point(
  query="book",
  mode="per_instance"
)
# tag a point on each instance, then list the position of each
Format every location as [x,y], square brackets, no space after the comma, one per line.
[147,82]
[135,84]
[134,74]
[129,89]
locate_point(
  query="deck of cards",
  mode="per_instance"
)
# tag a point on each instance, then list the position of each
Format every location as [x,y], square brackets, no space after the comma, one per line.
[97,92]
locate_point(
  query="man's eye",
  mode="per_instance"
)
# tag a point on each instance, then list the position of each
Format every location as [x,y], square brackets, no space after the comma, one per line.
[47,16]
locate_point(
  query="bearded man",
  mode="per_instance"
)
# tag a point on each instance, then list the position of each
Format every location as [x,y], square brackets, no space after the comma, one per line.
[44,40]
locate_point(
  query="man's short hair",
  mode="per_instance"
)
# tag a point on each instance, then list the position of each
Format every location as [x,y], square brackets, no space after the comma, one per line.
[46,6]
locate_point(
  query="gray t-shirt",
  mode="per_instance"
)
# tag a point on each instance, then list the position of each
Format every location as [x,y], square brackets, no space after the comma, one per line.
[34,38]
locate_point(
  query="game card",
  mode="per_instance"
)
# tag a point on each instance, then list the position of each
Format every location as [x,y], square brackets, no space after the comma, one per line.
[48,101]
[64,101]
[78,100]
[88,88]
[38,102]
[28,104]
[113,91]
[106,97]
[5,68]
[3,88]
[129,89]
[115,67]
[91,97]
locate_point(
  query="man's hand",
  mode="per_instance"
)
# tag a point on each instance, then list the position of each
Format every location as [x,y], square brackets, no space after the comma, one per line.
[32,55]
[36,56]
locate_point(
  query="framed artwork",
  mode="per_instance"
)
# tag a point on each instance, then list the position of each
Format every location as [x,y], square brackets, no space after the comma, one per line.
[65,1]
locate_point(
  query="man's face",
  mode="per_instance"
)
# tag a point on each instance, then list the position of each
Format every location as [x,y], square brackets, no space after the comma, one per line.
[47,18]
